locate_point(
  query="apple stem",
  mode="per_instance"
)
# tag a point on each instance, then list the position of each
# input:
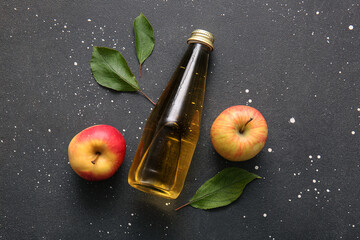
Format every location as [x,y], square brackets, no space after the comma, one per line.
[96,158]
[243,127]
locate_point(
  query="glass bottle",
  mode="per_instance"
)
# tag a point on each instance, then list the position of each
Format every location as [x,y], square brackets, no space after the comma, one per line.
[171,132]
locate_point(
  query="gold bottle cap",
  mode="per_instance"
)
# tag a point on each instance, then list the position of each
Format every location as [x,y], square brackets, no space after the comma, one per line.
[202,36]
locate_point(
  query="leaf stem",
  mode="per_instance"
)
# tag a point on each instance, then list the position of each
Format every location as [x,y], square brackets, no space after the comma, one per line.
[195,200]
[146,97]
[182,206]
[140,71]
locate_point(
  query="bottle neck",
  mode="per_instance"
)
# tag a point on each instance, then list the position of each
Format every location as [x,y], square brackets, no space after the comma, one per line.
[202,46]
[189,81]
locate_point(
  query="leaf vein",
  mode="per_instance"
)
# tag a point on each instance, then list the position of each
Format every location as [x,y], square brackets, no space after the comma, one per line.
[118,74]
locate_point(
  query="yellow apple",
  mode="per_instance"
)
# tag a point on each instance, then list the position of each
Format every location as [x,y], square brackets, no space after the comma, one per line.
[239,133]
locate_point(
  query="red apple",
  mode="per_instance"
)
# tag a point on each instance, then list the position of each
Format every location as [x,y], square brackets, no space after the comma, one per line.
[239,133]
[97,152]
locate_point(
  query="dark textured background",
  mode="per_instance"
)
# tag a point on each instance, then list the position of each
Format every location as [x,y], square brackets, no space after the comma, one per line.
[298,59]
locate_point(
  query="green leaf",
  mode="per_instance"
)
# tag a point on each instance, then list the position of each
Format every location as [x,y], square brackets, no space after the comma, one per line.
[221,190]
[144,38]
[111,70]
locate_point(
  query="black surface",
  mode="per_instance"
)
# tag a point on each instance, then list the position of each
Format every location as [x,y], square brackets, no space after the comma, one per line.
[298,59]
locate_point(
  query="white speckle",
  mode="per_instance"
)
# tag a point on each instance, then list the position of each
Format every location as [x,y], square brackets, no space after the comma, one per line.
[65,26]
[317,13]
[140,128]
[244,216]
[269,149]
[129,224]
[89,20]
[15,9]
[318,156]
[353,132]
[256,167]
[310,156]
[49,130]
[124,130]
[358,109]
[75,63]
[299,196]
[339,72]
[132,214]
[327,190]
[292,120]
[314,181]
[264,215]
[351,27]
[250,101]
[247,90]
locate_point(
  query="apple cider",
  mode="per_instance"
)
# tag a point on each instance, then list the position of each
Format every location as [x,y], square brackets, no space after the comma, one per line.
[171,132]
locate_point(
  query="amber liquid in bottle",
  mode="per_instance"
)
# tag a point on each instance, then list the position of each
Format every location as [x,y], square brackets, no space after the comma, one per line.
[171,132]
